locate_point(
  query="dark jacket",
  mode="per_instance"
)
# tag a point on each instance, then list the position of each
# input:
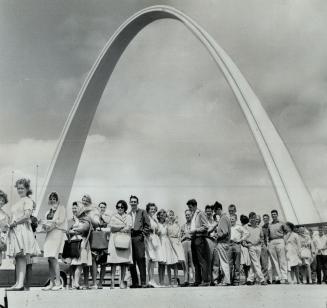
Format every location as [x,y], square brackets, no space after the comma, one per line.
[141,223]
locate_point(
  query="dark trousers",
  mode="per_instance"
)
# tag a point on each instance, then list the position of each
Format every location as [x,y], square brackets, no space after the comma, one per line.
[201,259]
[234,257]
[321,267]
[139,260]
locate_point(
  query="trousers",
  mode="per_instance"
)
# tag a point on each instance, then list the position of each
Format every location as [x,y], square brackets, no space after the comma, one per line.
[234,262]
[255,267]
[278,258]
[201,259]
[223,253]
[138,249]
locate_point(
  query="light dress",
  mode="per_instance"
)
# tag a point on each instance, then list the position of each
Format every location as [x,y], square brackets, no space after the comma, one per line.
[173,231]
[153,250]
[245,256]
[4,220]
[293,248]
[85,256]
[169,257]
[55,238]
[21,240]
[116,255]
[306,249]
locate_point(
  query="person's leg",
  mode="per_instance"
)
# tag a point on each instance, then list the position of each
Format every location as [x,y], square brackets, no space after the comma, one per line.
[86,273]
[274,260]
[197,268]
[133,270]
[254,252]
[297,274]
[169,274]
[309,273]
[28,276]
[264,262]
[319,268]
[56,271]
[324,268]
[77,276]
[103,268]
[281,255]
[224,262]
[122,276]
[205,259]
[176,275]
[113,273]
[21,269]
[51,272]
[231,262]
[186,263]
[237,265]
[94,270]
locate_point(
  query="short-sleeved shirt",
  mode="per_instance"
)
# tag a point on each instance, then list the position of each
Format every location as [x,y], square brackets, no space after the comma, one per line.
[255,235]
[276,230]
[19,208]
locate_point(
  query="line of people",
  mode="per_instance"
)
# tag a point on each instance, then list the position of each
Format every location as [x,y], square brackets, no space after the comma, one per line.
[211,247]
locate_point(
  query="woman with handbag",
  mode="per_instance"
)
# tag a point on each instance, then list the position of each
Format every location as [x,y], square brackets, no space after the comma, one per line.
[80,231]
[120,244]
[100,241]
[21,243]
[152,244]
[54,226]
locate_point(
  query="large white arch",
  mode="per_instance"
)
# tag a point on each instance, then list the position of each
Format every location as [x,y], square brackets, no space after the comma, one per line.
[294,197]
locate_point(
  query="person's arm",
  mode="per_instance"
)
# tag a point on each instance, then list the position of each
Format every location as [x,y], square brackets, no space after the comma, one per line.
[203,222]
[222,228]
[28,208]
[146,223]
[244,233]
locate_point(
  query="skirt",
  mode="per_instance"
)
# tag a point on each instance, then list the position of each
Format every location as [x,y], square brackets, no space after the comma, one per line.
[21,241]
[54,243]
[178,249]
[168,255]
[153,249]
[85,256]
[119,256]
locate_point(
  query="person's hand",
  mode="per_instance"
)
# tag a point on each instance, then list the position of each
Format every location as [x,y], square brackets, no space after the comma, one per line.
[12,225]
[125,229]
[201,229]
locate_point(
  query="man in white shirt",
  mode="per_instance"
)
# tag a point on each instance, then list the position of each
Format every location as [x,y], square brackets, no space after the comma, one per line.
[320,247]
[238,234]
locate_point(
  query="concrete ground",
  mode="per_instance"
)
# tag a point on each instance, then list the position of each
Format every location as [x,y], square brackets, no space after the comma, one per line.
[275,296]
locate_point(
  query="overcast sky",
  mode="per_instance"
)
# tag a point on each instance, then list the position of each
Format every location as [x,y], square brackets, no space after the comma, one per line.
[168,127]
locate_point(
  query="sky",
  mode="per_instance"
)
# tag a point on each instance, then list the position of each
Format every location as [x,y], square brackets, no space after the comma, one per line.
[168,127]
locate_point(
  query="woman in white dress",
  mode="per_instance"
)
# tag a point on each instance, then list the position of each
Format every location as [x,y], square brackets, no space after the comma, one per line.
[21,243]
[81,229]
[120,243]
[293,248]
[306,254]
[4,220]
[55,227]
[168,255]
[174,235]
[152,243]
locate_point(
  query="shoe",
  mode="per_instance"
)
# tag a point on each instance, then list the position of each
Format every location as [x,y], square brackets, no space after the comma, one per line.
[94,287]
[284,281]
[133,286]
[57,288]
[268,282]
[249,283]
[144,286]
[204,284]
[225,284]
[235,284]
[15,289]
[48,288]
[277,282]
[194,284]
[263,283]
[100,287]
[185,284]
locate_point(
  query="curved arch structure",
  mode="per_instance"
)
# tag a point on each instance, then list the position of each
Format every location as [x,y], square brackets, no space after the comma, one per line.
[294,197]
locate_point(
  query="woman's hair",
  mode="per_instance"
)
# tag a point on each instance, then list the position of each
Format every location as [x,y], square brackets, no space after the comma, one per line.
[244,219]
[162,211]
[290,225]
[123,204]
[104,203]
[26,183]
[88,198]
[54,195]
[149,205]
[3,195]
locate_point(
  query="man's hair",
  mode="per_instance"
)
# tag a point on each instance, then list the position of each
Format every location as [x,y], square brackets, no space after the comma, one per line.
[244,219]
[217,205]
[104,203]
[274,211]
[134,197]
[191,202]
[149,205]
[265,215]
[252,214]
[208,207]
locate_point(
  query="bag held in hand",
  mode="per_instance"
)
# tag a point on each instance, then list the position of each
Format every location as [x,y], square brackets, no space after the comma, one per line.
[72,249]
[99,240]
[122,240]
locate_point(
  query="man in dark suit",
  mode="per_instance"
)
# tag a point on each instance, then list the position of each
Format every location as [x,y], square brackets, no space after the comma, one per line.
[141,228]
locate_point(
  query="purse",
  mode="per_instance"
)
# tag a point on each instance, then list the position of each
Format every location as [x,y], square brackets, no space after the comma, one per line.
[99,240]
[122,240]
[72,249]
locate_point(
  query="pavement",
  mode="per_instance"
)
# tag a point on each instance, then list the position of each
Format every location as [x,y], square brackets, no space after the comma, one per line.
[274,296]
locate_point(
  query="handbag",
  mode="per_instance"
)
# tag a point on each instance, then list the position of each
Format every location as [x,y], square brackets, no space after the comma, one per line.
[72,249]
[99,240]
[122,240]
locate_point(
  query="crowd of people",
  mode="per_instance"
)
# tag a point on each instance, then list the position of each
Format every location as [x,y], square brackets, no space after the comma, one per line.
[212,247]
